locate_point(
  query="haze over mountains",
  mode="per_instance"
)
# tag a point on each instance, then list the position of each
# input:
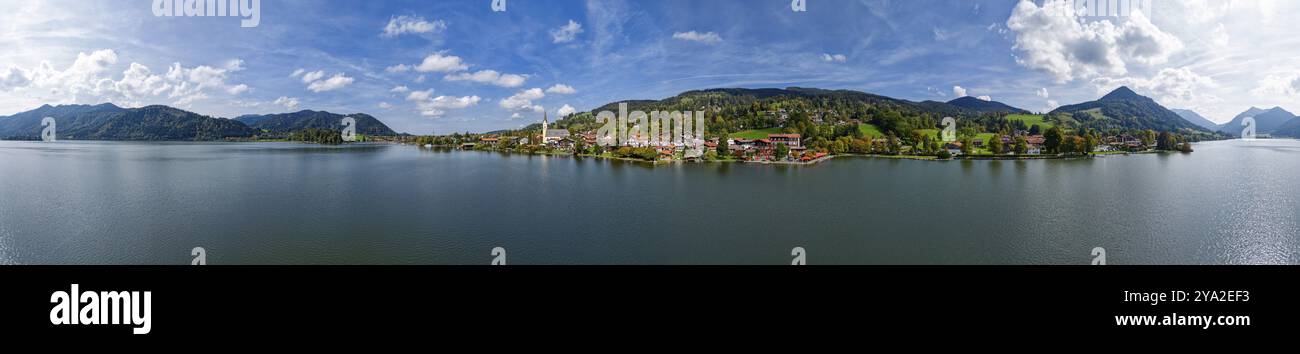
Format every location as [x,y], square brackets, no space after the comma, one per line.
[161,123]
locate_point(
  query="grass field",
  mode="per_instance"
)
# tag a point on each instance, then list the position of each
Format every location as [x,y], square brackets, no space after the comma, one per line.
[1031,119]
[870,131]
[754,133]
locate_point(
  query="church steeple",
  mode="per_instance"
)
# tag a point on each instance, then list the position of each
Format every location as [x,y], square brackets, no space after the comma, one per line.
[544,127]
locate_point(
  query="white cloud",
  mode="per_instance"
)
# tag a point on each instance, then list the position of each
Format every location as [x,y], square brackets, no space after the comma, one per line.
[566,33]
[515,115]
[412,25]
[1051,104]
[958,91]
[298,72]
[1279,84]
[490,77]
[985,98]
[235,65]
[1042,92]
[399,89]
[12,77]
[707,37]
[288,102]
[565,111]
[312,76]
[437,62]
[524,100]
[1172,87]
[87,80]
[834,58]
[385,105]
[399,68]
[437,106]
[1071,47]
[335,82]
[561,89]
[237,89]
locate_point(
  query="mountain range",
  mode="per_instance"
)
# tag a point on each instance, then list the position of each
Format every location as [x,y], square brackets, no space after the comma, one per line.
[1125,109]
[161,123]
[1266,121]
[979,105]
[1196,118]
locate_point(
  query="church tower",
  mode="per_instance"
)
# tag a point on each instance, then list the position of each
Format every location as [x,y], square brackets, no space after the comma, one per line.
[544,127]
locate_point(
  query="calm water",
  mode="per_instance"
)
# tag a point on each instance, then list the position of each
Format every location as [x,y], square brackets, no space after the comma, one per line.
[272,203]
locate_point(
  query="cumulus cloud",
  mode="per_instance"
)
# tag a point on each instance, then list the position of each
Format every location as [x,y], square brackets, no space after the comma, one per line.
[385,105]
[437,106]
[1178,87]
[561,89]
[288,102]
[565,110]
[335,82]
[399,89]
[437,62]
[523,101]
[237,89]
[985,98]
[1069,47]
[706,37]
[297,73]
[1279,84]
[412,25]
[399,68]
[1042,92]
[958,91]
[87,80]
[566,33]
[834,58]
[490,77]
[307,78]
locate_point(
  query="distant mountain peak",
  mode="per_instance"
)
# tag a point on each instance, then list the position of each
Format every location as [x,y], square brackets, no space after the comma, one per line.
[1122,93]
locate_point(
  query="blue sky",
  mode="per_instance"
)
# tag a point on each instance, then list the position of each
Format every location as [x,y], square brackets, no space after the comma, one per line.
[446,66]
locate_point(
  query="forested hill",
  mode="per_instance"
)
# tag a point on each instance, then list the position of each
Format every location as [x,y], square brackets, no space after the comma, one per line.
[110,122]
[1126,110]
[303,120]
[162,123]
[735,109]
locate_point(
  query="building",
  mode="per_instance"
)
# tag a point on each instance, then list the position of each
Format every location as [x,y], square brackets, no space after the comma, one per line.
[790,140]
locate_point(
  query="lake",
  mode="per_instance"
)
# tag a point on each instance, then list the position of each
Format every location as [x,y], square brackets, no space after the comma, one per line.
[74,202]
